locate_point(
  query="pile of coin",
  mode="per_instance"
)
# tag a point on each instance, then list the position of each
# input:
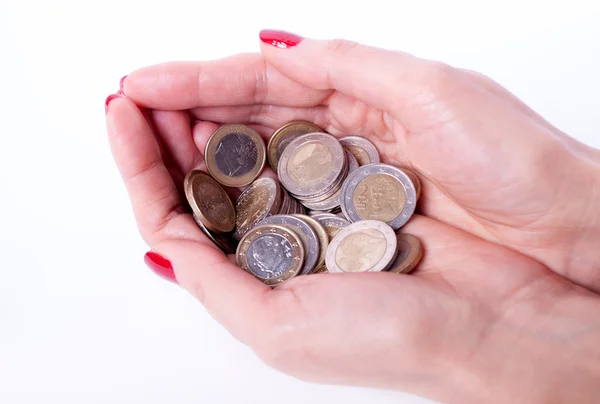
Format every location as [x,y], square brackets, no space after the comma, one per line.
[332,207]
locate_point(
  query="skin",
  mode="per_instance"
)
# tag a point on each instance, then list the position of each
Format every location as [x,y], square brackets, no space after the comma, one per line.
[504,306]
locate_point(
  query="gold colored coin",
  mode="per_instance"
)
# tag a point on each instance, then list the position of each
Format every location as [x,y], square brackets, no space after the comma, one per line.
[261,199]
[415,180]
[410,252]
[235,155]
[321,235]
[379,197]
[209,202]
[283,136]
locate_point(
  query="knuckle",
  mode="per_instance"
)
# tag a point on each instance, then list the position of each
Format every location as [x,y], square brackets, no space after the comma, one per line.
[441,74]
[341,46]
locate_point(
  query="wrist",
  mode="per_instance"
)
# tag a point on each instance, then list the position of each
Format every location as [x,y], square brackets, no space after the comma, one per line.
[584,257]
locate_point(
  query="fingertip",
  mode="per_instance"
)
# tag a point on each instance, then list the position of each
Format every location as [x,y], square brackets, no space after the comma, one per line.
[279,39]
[160,266]
[109,99]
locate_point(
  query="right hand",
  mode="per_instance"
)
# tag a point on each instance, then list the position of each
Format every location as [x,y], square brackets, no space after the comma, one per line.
[474,305]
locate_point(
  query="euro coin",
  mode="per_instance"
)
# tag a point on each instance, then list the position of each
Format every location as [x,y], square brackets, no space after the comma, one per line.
[283,136]
[379,192]
[273,254]
[209,202]
[365,246]
[235,155]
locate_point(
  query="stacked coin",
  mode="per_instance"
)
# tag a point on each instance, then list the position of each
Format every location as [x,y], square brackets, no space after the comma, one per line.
[264,197]
[283,136]
[313,168]
[333,206]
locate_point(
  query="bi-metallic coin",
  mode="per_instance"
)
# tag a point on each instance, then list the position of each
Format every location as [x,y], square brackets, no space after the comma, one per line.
[274,254]
[306,233]
[283,136]
[235,155]
[379,192]
[365,246]
[311,165]
[364,151]
[332,223]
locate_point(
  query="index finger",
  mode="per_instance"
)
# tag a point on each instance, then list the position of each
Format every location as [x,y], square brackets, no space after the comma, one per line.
[243,79]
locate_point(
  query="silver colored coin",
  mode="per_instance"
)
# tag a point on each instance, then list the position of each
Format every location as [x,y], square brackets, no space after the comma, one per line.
[260,199]
[311,164]
[306,233]
[361,148]
[273,254]
[378,202]
[365,246]
[313,213]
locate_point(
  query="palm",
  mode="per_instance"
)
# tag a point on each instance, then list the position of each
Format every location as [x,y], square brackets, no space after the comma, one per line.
[480,185]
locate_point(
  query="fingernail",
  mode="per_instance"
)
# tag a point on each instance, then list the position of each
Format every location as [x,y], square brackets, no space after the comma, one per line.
[160,265]
[109,99]
[121,92]
[279,39]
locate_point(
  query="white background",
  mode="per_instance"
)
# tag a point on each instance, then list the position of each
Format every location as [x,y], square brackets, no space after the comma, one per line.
[82,320]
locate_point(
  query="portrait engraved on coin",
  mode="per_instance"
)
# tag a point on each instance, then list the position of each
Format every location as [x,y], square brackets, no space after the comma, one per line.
[310,163]
[380,197]
[360,251]
[359,154]
[236,155]
[269,256]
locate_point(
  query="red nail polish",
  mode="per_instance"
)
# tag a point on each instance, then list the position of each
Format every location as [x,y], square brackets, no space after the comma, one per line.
[279,39]
[121,92]
[160,265]
[109,99]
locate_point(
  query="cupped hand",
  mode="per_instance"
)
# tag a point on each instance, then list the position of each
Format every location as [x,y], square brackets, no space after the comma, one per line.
[495,179]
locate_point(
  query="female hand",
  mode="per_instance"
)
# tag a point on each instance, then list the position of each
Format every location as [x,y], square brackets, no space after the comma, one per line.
[484,305]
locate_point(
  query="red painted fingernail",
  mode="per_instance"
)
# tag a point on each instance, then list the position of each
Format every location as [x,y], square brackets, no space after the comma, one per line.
[279,39]
[160,265]
[109,99]
[121,92]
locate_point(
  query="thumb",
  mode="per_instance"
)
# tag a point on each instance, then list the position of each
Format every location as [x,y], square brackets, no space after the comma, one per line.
[388,80]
